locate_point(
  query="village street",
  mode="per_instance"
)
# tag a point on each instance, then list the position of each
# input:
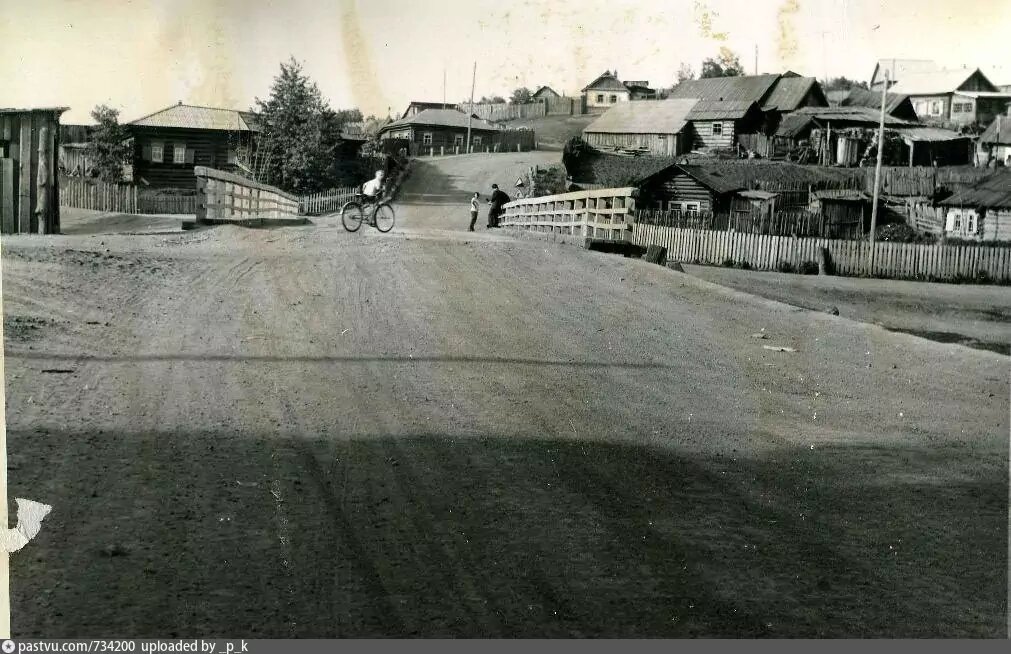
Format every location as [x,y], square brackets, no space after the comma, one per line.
[306,432]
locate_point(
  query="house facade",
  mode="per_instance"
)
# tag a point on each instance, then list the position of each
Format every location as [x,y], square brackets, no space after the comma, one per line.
[545,93]
[169,143]
[607,91]
[440,130]
[981,213]
[960,97]
[716,124]
[995,141]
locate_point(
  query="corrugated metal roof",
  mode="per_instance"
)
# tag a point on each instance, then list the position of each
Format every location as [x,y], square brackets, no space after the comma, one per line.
[442,118]
[193,117]
[716,110]
[644,117]
[934,83]
[606,82]
[993,192]
[929,134]
[751,88]
[896,105]
[999,131]
[788,92]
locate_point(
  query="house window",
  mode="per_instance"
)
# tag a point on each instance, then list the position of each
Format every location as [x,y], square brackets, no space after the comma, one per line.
[717,129]
[614,99]
[600,97]
[477,140]
[458,140]
[970,225]
[692,209]
[673,205]
[157,152]
[233,156]
[178,154]
[426,138]
[936,108]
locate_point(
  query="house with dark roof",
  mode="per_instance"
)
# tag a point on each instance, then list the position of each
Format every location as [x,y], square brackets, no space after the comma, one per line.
[896,106]
[440,130]
[656,128]
[773,93]
[607,90]
[995,141]
[897,70]
[961,97]
[981,212]
[170,142]
[417,107]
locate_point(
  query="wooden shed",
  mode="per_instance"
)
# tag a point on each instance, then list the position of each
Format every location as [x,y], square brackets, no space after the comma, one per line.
[653,127]
[29,183]
[982,212]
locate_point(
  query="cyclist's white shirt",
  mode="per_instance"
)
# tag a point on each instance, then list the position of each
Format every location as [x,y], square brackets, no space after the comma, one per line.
[372,187]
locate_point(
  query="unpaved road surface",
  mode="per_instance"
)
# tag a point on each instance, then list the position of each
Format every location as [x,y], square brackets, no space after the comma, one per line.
[304,432]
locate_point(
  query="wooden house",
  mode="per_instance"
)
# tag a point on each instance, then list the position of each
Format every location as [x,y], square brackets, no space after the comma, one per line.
[981,212]
[774,94]
[718,124]
[417,107]
[545,93]
[898,69]
[440,130]
[607,91]
[29,179]
[961,97]
[656,128]
[896,106]
[169,143]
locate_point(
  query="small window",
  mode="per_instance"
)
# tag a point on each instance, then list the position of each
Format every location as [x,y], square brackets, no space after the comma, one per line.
[614,99]
[477,140]
[936,108]
[178,154]
[458,139]
[426,138]
[692,209]
[157,152]
[970,226]
[717,129]
[233,156]
[600,97]
[673,205]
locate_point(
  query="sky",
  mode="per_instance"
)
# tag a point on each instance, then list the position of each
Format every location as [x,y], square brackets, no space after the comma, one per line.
[378,55]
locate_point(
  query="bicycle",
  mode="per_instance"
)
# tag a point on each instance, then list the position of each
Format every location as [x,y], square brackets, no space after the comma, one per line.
[380,215]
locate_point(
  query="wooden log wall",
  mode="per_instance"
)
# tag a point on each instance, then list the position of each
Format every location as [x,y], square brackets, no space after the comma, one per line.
[29,146]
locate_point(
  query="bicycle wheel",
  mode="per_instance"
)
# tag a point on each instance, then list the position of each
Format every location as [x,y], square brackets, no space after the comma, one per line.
[351,216]
[385,217]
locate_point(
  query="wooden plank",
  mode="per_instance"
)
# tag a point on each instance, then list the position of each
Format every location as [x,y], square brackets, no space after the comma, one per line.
[25,176]
[7,193]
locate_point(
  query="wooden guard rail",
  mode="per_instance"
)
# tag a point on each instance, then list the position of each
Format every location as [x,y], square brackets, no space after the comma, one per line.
[228,198]
[604,214]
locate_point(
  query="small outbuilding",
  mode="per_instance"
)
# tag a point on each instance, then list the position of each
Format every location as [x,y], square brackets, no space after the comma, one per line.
[982,212]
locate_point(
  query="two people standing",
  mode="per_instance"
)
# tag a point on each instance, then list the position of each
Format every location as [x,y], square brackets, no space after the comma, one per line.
[495,203]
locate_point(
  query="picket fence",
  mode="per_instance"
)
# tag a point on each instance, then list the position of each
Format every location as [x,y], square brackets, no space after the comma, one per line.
[324,202]
[94,195]
[848,257]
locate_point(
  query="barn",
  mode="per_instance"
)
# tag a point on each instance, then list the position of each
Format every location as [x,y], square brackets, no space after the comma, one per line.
[29,180]
[653,127]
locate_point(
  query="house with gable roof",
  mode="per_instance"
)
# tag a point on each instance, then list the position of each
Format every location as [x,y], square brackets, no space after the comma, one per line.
[607,90]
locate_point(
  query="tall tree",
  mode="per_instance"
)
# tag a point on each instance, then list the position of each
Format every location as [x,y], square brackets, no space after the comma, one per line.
[108,147]
[300,136]
[725,64]
[685,73]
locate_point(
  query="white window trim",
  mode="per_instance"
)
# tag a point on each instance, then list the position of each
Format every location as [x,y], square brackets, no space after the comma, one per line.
[717,129]
[600,97]
[159,148]
[176,149]
[426,138]
[476,140]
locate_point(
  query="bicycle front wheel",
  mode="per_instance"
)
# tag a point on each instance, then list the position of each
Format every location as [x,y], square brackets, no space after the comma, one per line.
[385,217]
[352,216]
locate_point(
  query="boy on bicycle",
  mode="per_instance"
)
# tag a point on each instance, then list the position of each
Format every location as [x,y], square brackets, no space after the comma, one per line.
[373,188]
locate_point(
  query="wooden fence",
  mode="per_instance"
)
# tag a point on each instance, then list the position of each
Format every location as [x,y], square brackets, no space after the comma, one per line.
[780,223]
[154,202]
[600,214]
[894,260]
[227,198]
[501,112]
[82,193]
[324,202]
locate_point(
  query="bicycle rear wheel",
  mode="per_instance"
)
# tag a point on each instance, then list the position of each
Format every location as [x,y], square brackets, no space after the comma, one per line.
[385,217]
[352,216]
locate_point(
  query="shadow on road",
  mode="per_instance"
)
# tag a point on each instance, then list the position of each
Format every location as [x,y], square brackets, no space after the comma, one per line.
[298,534]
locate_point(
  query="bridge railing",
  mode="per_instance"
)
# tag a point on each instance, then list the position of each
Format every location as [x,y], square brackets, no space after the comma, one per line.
[226,197]
[598,214]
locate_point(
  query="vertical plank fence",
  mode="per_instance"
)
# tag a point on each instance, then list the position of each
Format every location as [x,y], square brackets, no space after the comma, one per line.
[95,195]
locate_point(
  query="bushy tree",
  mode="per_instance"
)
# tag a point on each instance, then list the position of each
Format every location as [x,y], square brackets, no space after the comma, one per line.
[522,95]
[492,99]
[108,147]
[725,64]
[300,134]
[574,153]
[843,84]
[685,73]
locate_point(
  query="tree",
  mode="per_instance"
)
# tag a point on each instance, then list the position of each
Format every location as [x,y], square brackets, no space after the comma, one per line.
[108,146]
[300,134]
[843,84]
[494,99]
[521,95]
[574,153]
[726,64]
[685,73]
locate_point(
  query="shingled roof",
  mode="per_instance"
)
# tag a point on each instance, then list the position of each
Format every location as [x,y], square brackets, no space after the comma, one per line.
[993,192]
[752,88]
[606,82]
[442,118]
[717,110]
[896,105]
[788,93]
[999,131]
[194,117]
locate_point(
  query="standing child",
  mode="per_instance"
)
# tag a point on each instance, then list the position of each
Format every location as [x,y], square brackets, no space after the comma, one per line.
[474,209]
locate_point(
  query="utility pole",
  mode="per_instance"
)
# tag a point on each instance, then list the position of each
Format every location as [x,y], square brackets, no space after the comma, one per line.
[877,171]
[470,114]
[756,58]
[443,88]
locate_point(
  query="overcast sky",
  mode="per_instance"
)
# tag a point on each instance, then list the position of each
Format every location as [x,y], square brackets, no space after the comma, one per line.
[378,54]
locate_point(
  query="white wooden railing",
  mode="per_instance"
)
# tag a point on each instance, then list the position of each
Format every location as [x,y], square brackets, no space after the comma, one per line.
[226,197]
[598,214]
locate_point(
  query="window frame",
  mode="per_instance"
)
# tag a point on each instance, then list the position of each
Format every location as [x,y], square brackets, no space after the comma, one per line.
[458,140]
[717,129]
[427,138]
[614,99]
[476,140]
[176,149]
[600,98]
[159,147]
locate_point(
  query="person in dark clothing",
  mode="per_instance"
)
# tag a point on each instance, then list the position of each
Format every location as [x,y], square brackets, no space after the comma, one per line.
[497,200]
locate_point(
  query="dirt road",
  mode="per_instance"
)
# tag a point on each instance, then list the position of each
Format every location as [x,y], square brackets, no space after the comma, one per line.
[304,432]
